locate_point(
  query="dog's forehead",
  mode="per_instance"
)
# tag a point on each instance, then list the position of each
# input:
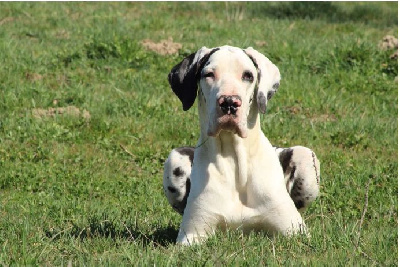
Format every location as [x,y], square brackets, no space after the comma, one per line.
[227,55]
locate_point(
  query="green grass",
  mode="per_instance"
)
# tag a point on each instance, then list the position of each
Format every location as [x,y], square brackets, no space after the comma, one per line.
[90,192]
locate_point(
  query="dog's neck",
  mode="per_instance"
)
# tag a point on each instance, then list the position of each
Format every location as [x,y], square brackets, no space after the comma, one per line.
[239,151]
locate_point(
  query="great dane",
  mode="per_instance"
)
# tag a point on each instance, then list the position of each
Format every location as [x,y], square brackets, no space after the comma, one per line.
[235,177]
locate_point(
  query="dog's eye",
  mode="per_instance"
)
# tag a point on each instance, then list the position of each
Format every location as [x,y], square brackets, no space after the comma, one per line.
[208,74]
[247,76]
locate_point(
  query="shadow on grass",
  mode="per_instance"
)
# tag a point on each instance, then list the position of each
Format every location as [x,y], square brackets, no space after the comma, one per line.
[112,229]
[372,13]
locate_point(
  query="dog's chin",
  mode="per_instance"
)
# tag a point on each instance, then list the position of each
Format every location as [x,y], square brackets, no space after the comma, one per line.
[227,123]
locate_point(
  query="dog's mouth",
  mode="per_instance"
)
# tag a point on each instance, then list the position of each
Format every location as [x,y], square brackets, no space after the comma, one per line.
[227,122]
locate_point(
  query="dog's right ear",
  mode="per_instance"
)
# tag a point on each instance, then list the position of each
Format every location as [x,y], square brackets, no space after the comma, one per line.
[183,77]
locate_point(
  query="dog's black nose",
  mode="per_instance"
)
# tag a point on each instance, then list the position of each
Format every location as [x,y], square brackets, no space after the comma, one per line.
[229,104]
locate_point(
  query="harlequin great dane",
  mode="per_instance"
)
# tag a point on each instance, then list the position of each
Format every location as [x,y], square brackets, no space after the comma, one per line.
[237,178]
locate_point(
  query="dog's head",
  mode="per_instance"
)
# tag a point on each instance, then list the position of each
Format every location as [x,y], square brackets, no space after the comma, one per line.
[234,83]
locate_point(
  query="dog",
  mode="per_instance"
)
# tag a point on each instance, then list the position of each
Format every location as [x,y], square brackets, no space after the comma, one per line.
[236,176]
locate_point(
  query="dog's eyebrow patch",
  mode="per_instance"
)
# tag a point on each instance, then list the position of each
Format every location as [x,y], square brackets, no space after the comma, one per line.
[178,172]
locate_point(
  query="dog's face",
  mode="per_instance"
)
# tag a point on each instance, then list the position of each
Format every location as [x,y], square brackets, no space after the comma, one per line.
[233,83]
[227,85]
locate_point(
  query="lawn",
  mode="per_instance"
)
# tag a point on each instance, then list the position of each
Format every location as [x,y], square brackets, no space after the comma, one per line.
[87,119]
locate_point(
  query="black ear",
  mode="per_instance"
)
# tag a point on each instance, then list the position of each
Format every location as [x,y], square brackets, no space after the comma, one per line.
[183,77]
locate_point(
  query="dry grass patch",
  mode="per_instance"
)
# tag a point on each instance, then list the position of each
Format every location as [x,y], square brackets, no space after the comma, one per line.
[164,47]
[68,111]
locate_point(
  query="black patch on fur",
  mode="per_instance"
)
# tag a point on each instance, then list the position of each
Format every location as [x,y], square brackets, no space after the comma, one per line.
[184,201]
[178,208]
[171,189]
[299,204]
[186,151]
[270,94]
[291,178]
[285,157]
[178,172]
[316,172]
[295,194]
[252,59]
[262,102]
[299,187]
[273,91]
[259,75]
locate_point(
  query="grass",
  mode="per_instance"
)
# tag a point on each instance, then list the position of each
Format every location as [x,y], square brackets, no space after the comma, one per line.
[89,192]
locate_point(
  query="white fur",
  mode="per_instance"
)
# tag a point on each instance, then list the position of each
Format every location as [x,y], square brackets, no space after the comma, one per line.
[301,169]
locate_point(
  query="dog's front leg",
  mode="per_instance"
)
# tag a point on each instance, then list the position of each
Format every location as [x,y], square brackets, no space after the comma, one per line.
[202,214]
[196,226]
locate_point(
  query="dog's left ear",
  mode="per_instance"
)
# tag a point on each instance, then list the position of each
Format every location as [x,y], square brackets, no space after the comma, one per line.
[268,78]
[183,77]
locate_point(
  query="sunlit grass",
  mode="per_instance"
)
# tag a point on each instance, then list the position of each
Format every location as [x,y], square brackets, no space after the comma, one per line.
[89,191]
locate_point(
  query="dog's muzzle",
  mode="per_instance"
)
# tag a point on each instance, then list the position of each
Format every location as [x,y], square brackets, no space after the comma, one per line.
[229,104]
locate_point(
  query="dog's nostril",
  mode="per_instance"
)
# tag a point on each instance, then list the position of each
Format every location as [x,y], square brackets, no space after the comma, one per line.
[229,104]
